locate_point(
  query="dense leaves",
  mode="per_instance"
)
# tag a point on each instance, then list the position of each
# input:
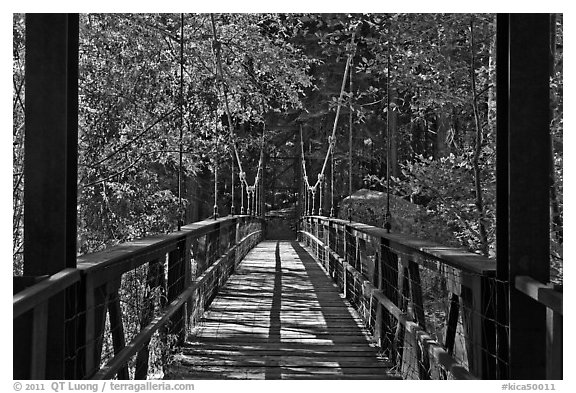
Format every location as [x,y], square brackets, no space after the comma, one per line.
[421,83]
[130,116]
[18,142]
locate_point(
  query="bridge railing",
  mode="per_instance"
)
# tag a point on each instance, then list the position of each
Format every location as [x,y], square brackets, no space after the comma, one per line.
[430,308]
[550,296]
[128,305]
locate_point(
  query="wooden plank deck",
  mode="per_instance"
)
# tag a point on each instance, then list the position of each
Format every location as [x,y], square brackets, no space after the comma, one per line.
[279,317]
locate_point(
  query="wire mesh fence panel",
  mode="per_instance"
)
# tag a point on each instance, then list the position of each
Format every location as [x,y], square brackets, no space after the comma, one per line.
[127,307]
[430,308]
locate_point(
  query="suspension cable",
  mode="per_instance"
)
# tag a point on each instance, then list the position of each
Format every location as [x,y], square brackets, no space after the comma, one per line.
[344,78]
[242,181]
[306,184]
[220,76]
[249,210]
[305,197]
[388,224]
[180,208]
[255,192]
[346,70]
[305,175]
[250,190]
[321,189]
[332,141]
[313,199]
[215,165]
[232,207]
[350,143]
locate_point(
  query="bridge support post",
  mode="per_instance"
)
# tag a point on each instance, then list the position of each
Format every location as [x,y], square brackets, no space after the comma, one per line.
[478,313]
[50,167]
[177,280]
[388,279]
[523,200]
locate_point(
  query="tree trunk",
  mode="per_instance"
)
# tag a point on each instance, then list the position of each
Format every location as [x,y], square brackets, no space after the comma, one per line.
[477,151]
[443,125]
[492,88]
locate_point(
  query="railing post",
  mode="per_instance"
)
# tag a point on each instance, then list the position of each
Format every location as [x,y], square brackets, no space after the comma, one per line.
[403,293]
[50,170]
[117,330]
[154,279]
[554,345]
[212,246]
[387,283]
[234,239]
[523,189]
[478,314]
[360,265]
[452,324]
[96,301]
[331,245]
[350,246]
[176,284]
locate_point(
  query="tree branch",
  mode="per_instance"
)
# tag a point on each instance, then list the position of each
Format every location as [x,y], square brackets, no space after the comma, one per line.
[136,138]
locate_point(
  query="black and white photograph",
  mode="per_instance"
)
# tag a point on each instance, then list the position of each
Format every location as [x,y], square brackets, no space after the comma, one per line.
[225,196]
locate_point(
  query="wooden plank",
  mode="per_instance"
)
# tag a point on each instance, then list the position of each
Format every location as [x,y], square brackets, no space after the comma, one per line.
[452,324]
[331,351]
[38,293]
[543,293]
[116,260]
[39,337]
[117,330]
[197,344]
[266,372]
[281,315]
[195,360]
[554,345]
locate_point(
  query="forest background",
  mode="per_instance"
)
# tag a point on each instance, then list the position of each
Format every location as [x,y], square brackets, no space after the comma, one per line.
[435,73]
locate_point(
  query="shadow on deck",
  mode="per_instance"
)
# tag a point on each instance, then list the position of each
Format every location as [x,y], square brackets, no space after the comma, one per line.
[279,317]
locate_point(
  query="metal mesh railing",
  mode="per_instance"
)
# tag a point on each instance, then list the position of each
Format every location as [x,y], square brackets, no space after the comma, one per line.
[431,309]
[128,306]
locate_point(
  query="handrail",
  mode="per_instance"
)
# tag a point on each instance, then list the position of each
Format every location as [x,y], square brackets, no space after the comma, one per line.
[127,256]
[39,293]
[431,345]
[138,342]
[423,249]
[396,286]
[546,294]
[98,279]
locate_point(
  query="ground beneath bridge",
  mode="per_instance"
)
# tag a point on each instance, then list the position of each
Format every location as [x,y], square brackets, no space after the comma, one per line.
[279,317]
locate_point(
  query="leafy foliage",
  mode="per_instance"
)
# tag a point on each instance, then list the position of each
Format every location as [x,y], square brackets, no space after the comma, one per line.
[130,110]
[281,66]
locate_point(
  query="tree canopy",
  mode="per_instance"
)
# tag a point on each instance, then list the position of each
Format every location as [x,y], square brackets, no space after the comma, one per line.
[434,73]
